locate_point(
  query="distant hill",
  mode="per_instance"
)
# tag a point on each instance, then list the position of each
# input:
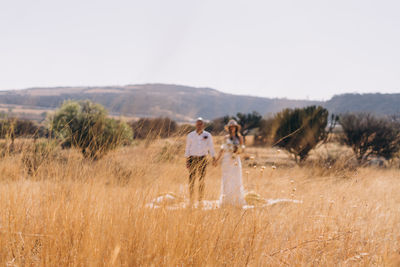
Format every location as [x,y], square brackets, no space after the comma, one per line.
[382,104]
[182,103]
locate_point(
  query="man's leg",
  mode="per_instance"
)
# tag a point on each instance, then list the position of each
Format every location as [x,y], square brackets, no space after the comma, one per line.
[192,176]
[202,173]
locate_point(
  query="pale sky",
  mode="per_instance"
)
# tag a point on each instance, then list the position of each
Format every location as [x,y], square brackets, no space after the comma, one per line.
[284,48]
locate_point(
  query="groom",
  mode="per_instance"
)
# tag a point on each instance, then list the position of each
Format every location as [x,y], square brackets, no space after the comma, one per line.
[199,144]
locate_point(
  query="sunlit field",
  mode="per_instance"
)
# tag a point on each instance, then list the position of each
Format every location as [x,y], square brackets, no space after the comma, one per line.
[68,211]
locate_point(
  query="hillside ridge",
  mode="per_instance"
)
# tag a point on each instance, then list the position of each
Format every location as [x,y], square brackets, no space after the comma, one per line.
[183,103]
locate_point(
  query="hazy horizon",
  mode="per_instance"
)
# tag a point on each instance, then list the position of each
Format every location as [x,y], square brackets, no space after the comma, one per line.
[200,87]
[287,49]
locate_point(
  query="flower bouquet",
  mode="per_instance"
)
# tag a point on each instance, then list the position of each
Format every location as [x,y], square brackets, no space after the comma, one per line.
[235,150]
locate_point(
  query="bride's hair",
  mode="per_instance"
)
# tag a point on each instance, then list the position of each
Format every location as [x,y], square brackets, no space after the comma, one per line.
[237,133]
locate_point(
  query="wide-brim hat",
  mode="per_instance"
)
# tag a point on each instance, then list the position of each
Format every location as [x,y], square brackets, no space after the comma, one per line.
[233,123]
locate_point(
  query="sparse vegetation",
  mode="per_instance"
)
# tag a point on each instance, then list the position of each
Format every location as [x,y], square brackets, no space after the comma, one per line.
[14,127]
[59,210]
[85,213]
[38,153]
[263,136]
[248,122]
[152,128]
[184,129]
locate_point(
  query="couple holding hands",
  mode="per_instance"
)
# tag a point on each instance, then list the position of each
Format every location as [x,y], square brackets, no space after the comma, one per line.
[199,144]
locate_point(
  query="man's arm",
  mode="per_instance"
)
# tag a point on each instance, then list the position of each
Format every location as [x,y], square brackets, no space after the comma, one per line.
[187,149]
[211,147]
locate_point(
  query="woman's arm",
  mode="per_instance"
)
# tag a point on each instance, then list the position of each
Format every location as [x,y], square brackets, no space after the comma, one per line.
[241,140]
[220,153]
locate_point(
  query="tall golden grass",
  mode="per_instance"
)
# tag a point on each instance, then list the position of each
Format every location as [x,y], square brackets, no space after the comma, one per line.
[74,212]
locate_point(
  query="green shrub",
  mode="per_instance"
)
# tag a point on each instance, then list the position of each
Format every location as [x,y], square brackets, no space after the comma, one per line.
[85,125]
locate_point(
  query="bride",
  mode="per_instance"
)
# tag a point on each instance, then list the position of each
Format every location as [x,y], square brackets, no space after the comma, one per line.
[232,192]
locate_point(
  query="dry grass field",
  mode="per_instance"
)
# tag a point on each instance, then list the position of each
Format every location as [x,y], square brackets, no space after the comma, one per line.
[72,212]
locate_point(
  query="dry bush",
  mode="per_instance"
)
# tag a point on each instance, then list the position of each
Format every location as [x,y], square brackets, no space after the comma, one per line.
[300,130]
[171,150]
[83,213]
[184,129]
[38,153]
[152,128]
[332,159]
[370,135]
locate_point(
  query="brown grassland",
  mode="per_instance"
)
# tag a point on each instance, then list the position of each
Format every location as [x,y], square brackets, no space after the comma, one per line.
[72,212]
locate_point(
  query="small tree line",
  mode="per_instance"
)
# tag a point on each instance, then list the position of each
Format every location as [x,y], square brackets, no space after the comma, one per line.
[300,130]
[86,126]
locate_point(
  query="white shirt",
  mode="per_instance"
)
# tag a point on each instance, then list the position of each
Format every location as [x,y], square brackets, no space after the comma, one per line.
[199,144]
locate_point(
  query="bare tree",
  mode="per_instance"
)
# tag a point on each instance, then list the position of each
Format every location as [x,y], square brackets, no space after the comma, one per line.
[369,135]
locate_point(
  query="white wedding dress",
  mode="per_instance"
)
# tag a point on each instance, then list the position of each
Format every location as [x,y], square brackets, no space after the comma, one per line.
[232,192]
